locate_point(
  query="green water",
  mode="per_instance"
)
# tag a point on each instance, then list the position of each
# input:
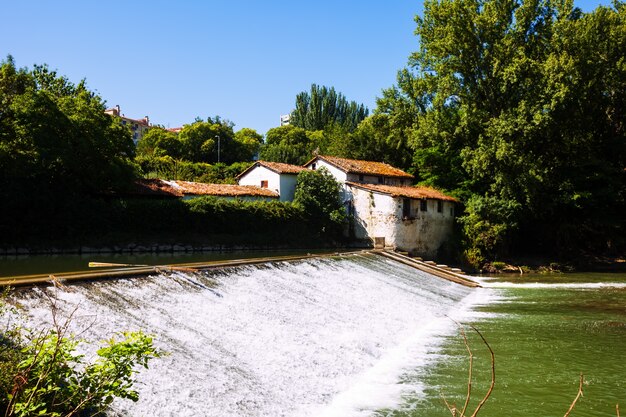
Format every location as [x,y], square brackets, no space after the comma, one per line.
[11,266]
[543,338]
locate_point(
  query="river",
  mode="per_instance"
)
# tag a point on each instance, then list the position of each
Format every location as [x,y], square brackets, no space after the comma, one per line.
[358,335]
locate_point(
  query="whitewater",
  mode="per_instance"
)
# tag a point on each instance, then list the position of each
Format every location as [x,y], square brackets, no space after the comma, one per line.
[317,337]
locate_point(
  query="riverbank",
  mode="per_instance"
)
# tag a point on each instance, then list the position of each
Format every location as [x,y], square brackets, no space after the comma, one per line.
[538,265]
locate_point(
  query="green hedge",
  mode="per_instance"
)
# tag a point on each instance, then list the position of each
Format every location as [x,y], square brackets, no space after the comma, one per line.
[97,221]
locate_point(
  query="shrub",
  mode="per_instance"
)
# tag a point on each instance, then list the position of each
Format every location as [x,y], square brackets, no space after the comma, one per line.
[42,375]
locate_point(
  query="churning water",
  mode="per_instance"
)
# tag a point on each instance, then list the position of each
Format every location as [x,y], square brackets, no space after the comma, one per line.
[323,337]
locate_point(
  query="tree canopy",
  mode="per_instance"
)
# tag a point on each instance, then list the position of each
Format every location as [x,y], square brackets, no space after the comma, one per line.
[323,106]
[518,107]
[210,141]
[54,135]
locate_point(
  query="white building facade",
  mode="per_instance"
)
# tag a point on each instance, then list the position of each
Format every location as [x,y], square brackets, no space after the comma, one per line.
[278,177]
[385,207]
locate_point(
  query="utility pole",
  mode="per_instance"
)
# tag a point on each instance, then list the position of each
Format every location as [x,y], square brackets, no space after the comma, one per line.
[218,149]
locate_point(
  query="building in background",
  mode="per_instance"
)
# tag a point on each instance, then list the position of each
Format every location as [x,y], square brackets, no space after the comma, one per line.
[137,126]
[285,119]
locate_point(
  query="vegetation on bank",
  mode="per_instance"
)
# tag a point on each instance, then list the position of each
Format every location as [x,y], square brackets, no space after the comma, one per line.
[42,374]
[516,107]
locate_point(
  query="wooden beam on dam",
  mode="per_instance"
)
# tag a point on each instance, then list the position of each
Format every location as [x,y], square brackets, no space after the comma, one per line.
[144,270]
[430,269]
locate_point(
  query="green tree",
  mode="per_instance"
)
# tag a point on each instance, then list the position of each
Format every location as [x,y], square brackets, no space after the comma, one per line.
[318,195]
[514,105]
[288,144]
[160,142]
[248,142]
[55,133]
[323,106]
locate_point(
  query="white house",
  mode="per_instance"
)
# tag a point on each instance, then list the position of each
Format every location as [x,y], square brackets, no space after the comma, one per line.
[274,176]
[413,219]
[386,208]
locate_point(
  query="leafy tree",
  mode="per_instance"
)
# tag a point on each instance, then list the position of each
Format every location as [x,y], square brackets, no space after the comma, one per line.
[514,105]
[158,141]
[318,194]
[248,142]
[323,106]
[54,134]
[289,144]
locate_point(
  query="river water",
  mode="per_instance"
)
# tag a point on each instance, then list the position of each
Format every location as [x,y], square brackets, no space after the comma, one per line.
[357,335]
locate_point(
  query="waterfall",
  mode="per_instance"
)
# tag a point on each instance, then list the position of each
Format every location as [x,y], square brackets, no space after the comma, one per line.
[317,337]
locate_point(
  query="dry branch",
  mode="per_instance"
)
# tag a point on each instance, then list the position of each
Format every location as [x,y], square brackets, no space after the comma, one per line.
[580,393]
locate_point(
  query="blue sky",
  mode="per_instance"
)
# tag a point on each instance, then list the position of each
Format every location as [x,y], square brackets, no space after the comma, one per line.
[243,60]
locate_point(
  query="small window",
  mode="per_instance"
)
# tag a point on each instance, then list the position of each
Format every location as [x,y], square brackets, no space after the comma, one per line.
[360,177]
[406,208]
[439,206]
[264,184]
[423,205]
[451,211]
[380,180]
[313,166]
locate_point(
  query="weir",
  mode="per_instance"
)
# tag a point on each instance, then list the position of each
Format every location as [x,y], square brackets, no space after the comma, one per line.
[314,337]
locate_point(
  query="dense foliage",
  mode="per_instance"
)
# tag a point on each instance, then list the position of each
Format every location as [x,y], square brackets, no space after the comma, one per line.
[55,135]
[43,375]
[323,106]
[518,106]
[319,195]
[209,141]
[168,168]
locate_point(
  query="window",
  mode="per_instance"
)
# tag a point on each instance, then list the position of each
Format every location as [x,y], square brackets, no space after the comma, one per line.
[380,180]
[406,208]
[313,166]
[263,183]
[360,177]
[439,206]
[451,211]
[423,205]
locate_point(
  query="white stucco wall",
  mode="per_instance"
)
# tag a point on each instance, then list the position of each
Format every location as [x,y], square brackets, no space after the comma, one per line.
[380,215]
[283,184]
[287,186]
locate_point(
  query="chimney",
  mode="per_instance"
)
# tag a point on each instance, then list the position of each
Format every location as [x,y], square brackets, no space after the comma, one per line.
[117,107]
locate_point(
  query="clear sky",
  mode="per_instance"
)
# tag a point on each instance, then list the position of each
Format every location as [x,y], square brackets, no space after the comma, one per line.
[244,60]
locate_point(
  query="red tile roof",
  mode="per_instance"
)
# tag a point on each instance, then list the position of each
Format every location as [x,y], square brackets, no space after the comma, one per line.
[407,192]
[225,190]
[277,167]
[154,188]
[355,166]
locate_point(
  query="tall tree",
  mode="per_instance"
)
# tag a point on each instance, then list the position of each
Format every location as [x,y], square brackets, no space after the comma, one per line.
[323,106]
[515,106]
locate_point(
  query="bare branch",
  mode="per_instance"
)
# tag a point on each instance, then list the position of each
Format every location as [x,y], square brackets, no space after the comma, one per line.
[471,368]
[617,409]
[493,372]
[580,393]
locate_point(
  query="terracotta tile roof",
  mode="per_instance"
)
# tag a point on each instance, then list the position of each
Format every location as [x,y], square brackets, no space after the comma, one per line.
[407,192]
[225,190]
[355,166]
[277,167]
[154,188]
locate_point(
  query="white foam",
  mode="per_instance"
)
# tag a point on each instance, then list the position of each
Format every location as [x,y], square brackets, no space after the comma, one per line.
[324,337]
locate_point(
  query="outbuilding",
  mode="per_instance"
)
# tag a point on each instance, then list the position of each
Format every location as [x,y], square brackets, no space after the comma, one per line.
[418,220]
[274,176]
